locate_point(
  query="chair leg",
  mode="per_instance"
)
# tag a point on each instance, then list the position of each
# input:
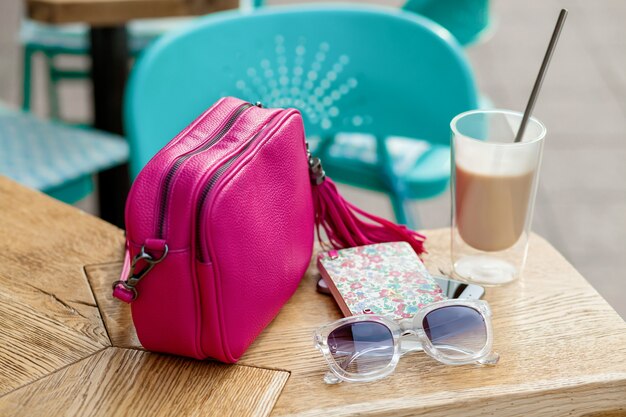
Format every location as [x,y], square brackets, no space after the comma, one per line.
[27,78]
[398,202]
[414,221]
[402,211]
[53,89]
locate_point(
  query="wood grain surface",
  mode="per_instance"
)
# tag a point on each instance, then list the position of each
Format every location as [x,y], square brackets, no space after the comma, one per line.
[550,328]
[117,382]
[116,315]
[563,352]
[48,315]
[115,12]
[563,349]
[55,358]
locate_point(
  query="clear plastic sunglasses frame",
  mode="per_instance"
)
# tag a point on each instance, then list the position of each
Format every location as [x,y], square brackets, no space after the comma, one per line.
[408,336]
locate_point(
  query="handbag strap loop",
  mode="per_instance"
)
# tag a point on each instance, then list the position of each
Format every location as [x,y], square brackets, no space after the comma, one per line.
[135,270]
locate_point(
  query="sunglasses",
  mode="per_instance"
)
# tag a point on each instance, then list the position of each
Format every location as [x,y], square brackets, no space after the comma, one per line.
[367,347]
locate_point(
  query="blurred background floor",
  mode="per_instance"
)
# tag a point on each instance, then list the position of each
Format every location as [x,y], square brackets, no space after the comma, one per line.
[581,205]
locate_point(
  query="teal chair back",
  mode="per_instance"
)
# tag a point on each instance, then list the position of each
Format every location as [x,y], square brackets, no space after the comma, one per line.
[467,20]
[347,68]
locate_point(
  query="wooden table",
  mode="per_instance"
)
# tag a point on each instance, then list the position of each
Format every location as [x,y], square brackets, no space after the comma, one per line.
[115,12]
[109,65]
[68,348]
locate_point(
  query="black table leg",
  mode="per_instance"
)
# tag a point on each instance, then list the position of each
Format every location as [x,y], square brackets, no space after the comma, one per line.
[109,70]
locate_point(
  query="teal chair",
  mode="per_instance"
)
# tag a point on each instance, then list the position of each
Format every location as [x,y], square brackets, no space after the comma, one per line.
[56,159]
[377,88]
[467,20]
[55,41]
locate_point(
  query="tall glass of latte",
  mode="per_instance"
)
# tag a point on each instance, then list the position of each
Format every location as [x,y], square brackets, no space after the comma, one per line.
[494,183]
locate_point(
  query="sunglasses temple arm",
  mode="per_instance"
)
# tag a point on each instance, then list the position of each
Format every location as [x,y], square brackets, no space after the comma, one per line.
[331,379]
[491,359]
[460,350]
[455,348]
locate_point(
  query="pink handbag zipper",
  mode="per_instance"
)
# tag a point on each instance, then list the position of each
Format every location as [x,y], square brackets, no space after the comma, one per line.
[202,252]
[167,180]
[124,289]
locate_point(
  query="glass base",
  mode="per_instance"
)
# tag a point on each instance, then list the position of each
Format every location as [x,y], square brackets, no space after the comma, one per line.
[485,270]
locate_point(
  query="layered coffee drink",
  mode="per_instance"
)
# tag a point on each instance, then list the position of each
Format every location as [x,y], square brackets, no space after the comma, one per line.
[491,209]
[494,182]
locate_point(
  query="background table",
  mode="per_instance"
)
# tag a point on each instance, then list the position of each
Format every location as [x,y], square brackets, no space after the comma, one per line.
[68,348]
[109,66]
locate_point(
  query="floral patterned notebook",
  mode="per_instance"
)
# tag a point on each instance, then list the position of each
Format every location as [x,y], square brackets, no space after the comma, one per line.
[386,279]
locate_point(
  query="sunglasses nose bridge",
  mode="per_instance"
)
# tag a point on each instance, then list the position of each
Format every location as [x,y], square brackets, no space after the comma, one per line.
[410,342]
[409,327]
[406,326]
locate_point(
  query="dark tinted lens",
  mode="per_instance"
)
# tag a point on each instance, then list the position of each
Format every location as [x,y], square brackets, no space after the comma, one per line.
[361,347]
[456,331]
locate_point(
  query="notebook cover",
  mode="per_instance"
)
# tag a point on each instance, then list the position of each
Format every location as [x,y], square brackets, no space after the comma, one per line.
[386,279]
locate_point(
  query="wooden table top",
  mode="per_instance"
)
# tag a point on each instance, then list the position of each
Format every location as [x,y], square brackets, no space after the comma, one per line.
[68,348]
[114,12]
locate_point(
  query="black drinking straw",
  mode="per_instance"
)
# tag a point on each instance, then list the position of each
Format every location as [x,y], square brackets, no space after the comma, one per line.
[542,73]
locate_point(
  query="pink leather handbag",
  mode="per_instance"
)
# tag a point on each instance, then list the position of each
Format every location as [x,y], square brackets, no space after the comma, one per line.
[220,226]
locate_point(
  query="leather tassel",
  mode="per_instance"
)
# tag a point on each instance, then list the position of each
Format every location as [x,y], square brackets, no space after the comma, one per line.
[345,224]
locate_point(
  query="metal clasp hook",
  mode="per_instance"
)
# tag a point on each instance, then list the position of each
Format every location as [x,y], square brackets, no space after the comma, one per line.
[135,276]
[316,171]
